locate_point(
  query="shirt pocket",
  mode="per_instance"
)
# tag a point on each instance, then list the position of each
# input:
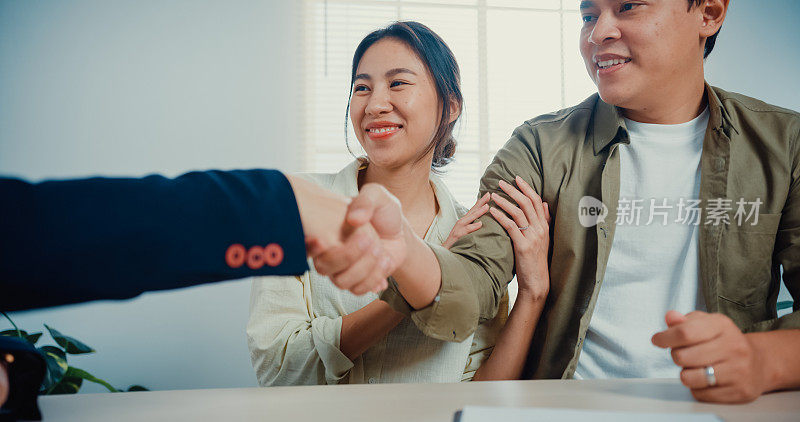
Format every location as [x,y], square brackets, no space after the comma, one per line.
[745,260]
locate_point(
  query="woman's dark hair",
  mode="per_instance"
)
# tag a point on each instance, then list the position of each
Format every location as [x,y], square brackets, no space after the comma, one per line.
[442,65]
[710,41]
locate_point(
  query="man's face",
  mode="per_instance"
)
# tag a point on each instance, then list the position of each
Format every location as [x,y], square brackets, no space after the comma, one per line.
[638,51]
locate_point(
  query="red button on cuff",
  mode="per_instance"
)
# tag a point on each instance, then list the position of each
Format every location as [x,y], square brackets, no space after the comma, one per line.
[235,255]
[255,257]
[273,254]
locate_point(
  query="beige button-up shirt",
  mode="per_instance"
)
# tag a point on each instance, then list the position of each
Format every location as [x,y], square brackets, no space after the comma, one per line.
[295,323]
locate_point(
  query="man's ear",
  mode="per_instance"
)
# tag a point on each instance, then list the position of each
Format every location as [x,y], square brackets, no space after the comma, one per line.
[713,14]
[455,110]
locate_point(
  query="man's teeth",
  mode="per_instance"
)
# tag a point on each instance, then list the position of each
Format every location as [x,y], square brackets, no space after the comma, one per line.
[608,63]
[383,129]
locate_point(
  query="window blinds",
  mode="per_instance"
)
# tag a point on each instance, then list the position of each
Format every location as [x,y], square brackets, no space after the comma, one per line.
[518,59]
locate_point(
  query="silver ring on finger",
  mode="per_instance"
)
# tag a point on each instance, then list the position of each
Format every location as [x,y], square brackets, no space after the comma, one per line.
[711,378]
[524,228]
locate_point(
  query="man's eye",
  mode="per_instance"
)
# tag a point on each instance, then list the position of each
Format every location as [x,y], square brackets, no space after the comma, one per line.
[627,6]
[587,18]
[359,88]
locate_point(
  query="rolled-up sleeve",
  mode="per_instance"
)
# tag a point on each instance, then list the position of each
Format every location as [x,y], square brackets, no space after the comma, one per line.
[479,266]
[288,345]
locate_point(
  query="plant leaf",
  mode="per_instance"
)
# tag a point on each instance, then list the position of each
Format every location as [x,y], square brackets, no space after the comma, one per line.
[33,338]
[80,373]
[13,324]
[70,345]
[14,333]
[56,361]
[137,388]
[68,385]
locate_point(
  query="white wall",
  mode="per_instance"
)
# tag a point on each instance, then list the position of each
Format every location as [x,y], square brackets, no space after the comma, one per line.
[758,52]
[133,87]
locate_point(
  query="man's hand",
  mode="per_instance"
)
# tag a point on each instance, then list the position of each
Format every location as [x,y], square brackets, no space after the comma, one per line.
[699,340]
[373,246]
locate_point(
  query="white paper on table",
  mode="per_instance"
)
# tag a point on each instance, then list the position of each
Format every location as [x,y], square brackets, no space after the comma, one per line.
[492,414]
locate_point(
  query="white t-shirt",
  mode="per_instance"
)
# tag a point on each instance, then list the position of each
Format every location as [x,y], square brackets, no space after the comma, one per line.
[652,267]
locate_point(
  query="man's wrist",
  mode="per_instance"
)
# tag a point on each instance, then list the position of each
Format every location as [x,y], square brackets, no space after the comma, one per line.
[412,244]
[765,363]
[322,212]
[417,285]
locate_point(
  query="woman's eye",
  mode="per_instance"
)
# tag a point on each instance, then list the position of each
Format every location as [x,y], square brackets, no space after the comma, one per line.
[359,88]
[397,83]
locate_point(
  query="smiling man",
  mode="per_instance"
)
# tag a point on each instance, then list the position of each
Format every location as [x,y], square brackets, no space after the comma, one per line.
[680,141]
[702,188]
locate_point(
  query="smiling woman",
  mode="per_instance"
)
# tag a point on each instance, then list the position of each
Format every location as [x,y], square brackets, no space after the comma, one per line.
[418,89]
[405,99]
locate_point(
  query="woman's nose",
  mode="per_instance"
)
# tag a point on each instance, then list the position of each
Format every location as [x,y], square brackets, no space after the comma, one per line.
[379,102]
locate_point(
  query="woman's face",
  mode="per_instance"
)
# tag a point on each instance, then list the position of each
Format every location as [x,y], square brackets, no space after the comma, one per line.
[394,108]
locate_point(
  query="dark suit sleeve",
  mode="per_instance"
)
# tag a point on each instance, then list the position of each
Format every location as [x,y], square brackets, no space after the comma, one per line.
[73,241]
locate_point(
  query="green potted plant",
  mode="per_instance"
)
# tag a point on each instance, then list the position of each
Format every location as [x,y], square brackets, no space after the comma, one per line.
[60,377]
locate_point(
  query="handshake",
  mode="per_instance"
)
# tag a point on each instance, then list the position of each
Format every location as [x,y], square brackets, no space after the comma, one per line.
[356,242]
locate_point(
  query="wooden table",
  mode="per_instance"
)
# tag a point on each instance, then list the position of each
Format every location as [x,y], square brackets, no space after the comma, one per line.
[403,402]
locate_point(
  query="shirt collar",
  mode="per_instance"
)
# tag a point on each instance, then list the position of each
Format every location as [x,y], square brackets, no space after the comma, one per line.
[448,211]
[346,180]
[608,125]
[719,118]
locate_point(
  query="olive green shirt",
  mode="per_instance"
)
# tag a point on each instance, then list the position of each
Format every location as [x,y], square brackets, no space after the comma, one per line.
[751,151]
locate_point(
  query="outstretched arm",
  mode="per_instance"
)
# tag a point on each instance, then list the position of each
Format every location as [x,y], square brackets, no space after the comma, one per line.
[115,238]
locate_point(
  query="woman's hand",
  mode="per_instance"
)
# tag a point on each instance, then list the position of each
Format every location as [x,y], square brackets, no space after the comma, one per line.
[529,228]
[467,223]
[528,225]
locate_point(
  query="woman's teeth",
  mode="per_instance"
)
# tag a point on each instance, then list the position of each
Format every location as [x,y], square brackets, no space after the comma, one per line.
[383,129]
[605,64]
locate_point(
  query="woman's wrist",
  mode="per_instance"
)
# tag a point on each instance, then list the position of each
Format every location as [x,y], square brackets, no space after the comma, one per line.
[532,295]
[366,326]
[386,311]
[527,307]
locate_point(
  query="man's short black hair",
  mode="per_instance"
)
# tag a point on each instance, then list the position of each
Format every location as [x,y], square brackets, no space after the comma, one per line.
[710,41]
